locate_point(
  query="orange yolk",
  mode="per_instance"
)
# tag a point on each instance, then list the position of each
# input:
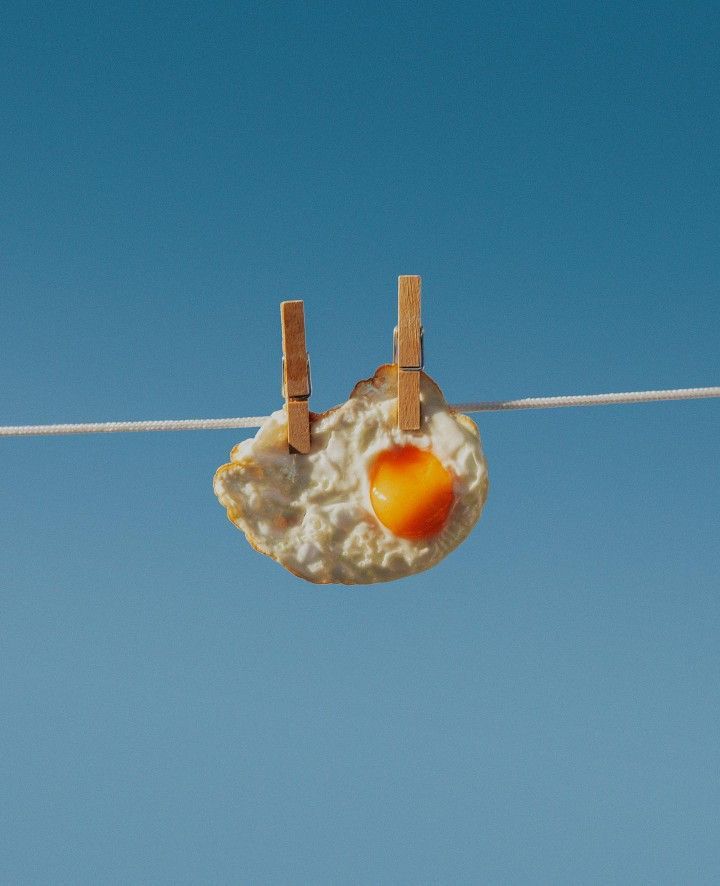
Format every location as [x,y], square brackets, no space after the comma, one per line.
[411,491]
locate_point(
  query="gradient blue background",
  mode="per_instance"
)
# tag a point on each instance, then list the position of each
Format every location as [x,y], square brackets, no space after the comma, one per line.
[542,707]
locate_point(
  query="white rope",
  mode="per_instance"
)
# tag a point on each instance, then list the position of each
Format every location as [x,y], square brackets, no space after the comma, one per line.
[215,424]
[590,400]
[113,427]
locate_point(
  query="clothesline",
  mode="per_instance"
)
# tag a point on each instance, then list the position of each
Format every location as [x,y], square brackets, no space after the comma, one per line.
[216,424]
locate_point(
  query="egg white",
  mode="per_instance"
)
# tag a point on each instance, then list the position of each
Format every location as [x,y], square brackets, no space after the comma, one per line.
[312,513]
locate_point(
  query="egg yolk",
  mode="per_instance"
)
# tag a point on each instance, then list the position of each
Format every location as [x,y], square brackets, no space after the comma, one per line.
[411,491]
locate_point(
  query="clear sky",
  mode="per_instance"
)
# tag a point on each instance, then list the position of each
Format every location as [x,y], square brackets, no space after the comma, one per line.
[543,706]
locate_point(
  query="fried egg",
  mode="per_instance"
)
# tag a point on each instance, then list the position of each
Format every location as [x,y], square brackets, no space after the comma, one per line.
[370,502]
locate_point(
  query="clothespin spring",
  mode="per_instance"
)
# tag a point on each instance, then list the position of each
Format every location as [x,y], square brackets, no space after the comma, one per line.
[309,382]
[422,351]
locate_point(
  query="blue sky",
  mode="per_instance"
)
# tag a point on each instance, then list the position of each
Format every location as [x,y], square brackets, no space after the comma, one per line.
[542,707]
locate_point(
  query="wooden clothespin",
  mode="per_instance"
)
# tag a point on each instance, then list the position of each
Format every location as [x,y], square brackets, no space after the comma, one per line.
[295,375]
[408,352]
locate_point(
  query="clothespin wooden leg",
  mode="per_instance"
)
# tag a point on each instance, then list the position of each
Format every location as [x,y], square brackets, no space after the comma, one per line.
[296,375]
[409,352]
